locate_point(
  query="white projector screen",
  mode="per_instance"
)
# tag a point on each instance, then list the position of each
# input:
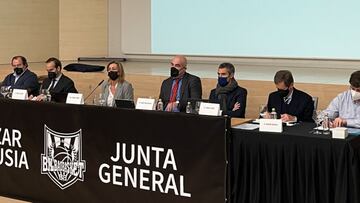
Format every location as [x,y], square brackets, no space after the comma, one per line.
[245,28]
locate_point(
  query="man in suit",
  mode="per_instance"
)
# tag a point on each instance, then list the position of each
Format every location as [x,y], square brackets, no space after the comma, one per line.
[230,96]
[180,86]
[290,103]
[57,82]
[22,78]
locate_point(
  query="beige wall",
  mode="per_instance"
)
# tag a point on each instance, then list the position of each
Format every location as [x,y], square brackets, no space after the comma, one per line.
[29,28]
[114,28]
[39,29]
[83,28]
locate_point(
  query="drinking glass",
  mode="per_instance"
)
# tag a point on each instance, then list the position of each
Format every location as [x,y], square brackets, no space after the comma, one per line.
[197,107]
[102,100]
[3,91]
[318,118]
[263,110]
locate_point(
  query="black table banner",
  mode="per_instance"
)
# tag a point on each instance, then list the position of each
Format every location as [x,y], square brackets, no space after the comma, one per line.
[77,153]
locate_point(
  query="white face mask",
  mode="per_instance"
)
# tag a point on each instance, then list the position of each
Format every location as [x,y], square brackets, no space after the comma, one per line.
[355,95]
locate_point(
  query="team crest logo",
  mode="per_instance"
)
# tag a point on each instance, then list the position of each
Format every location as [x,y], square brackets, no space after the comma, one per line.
[62,158]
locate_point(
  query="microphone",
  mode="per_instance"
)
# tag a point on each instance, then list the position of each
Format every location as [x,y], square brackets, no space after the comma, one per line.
[101,82]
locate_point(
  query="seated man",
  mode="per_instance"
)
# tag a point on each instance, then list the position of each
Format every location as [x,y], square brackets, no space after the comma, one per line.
[180,86]
[230,96]
[56,82]
[22,78]
[290,104]
[345,108]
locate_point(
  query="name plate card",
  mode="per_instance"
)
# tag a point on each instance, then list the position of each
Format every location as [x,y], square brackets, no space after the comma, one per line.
[209,109]
[145,104]
[271,125]
[19,94]
[339,133]
[74,98]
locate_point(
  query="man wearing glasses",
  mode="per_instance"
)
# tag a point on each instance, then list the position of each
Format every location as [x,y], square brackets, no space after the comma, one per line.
[345,108]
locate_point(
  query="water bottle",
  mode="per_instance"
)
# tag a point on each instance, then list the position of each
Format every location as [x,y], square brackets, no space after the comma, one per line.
[188,108]
[273,114]
[9,95]
[160,105]
[94,100]
[176,108]
[48,96]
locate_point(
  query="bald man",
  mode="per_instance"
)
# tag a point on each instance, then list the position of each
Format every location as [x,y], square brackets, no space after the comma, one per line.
[180,86]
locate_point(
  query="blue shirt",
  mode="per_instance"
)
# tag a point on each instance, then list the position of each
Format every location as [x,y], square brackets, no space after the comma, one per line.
[178,90]
[344,107]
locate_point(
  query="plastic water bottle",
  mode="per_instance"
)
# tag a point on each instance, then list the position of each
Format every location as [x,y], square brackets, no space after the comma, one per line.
[9,95]
[188,108]
[176,108]
[48,96]
[273,114]
[160,105]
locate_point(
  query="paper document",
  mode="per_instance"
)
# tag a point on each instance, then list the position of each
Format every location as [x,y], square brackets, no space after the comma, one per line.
[247,126]
[354,131]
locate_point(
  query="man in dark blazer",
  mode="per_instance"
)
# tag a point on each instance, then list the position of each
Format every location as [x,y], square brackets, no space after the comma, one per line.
[290,103]
[22,78]
[57,82]
[230,96]
[180,86]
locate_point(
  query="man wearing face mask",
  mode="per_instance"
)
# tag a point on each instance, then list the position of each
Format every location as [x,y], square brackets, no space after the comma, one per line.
[290,103]
[180,86]
[57,82]
[345,108]
[22,78]
[230,96]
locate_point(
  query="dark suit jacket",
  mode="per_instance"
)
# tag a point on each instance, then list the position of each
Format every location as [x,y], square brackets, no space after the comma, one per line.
[239,94]
[64,85]
[190,89]
[28,80]
[301,105]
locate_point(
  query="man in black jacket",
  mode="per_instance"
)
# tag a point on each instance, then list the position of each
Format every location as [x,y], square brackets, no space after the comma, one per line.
[290,104]
[230,96]
[22,78]
[180,86]
[57,82]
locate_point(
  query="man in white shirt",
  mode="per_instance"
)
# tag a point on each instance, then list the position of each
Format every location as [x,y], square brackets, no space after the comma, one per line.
[345,108]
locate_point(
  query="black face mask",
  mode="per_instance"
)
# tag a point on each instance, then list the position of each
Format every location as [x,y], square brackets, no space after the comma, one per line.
[18,70]
[51,75]
[113,75]
[174,72]
[283,93]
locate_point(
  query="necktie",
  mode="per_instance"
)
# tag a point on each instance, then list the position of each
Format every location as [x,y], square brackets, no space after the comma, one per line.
[52,84]
[174,91]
